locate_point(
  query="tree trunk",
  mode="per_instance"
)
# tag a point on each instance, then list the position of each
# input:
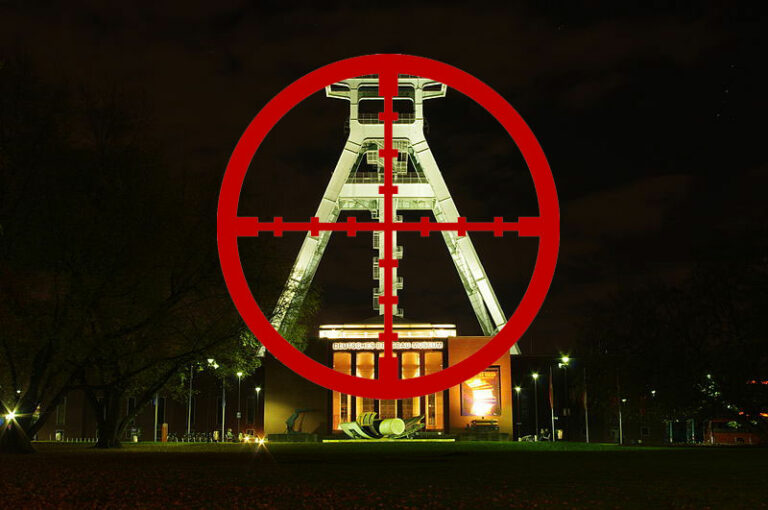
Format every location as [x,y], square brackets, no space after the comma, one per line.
[107,418]
[13,436]
[108,435]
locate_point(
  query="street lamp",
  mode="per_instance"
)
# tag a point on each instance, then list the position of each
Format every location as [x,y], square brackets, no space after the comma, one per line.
[535,376]
[564,360]
[256,417]
[189,402]
[519,413]
[11,416]
[212,363]
[621,426]
[239,378]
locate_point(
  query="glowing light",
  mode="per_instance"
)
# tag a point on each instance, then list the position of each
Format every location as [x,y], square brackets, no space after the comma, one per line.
[379,346]
[517,389]
[258,389]
[260,441]
[483,399]
[371,331]
[239,375]
[535,375]
[565,360]
[10,416]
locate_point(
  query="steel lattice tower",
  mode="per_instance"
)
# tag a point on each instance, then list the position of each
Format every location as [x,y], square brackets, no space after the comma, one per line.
[355,185]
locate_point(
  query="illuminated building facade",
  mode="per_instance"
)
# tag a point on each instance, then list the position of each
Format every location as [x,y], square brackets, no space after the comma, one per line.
[420,350]
[483,403]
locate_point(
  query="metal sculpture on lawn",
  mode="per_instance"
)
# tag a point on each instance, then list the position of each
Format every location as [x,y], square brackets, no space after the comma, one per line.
[367,426]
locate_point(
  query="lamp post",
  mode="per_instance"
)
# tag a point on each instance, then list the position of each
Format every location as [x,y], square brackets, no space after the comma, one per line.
[519,415]
[535,376]
[256,417]
[619,402]
[154,434]
[564,360]
[239,378]
[189,402]
[621,428]
[212,362]
[586,407]
[223,408]
[551,405]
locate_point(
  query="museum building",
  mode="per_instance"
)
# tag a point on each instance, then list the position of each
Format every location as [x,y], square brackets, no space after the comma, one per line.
[482,403]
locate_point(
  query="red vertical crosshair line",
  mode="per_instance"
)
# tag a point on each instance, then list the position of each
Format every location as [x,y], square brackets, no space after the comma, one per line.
[387,90]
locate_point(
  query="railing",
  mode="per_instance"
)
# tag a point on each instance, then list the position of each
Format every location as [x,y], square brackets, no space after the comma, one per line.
[373,118]
[376,177]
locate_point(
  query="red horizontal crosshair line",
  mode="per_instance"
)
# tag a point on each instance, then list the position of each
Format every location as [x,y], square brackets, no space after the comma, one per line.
[526,226]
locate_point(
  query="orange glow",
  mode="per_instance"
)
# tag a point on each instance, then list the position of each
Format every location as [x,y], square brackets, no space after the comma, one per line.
[480,395]
[483,398]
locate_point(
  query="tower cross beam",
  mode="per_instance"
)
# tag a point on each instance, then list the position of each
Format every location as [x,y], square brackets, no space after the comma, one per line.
[252,226]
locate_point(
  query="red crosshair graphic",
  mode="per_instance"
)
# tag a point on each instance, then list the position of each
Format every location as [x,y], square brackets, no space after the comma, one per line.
[545,226]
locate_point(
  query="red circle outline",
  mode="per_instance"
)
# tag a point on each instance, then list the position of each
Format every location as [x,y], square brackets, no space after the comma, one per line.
[499,108]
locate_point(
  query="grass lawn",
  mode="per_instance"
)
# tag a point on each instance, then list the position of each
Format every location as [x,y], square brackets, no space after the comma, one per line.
[395,475]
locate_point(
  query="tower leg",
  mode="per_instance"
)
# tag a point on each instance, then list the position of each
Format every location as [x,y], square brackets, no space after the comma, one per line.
[476,283]
[289,303]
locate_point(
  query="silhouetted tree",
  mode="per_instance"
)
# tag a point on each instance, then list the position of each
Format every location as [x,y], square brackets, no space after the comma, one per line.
[698,344]
[110,281]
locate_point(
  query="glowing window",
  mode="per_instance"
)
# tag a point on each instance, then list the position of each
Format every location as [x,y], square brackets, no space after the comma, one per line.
[364,368]
[481,395]
[342,403]
[433,362]
[411,367]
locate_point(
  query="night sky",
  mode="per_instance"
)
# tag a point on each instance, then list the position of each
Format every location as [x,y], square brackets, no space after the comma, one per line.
[652,121]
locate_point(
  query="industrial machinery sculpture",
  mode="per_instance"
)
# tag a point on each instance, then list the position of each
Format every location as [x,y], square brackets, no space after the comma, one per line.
[367,426]
[291,421]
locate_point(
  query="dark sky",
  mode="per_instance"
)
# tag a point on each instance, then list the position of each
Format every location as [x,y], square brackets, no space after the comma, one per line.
[652,120]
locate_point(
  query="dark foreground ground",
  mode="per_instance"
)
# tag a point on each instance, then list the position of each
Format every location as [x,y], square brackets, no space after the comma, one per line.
[459,475]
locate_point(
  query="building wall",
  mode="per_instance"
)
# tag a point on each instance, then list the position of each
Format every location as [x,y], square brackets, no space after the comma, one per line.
[460,348]
[286,391]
